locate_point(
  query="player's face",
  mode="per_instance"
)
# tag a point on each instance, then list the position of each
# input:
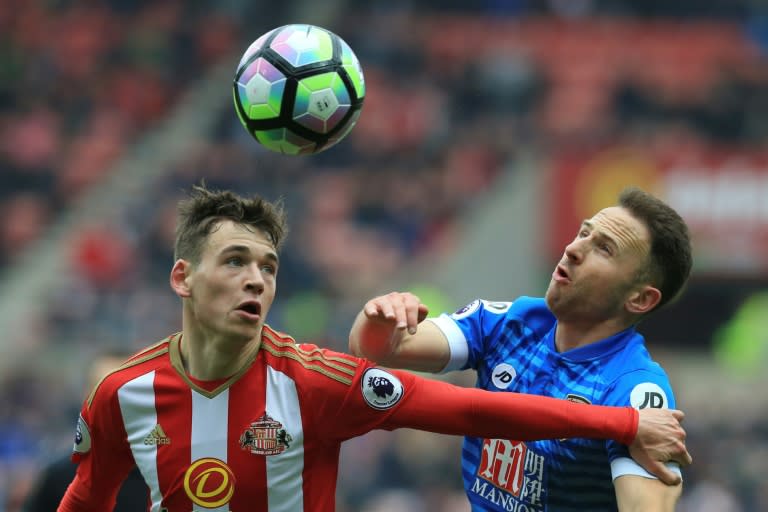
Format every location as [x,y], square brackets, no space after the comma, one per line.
[233,285]
[599,268]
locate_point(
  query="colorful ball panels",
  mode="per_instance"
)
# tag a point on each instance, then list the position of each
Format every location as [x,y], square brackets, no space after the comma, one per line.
[299,89]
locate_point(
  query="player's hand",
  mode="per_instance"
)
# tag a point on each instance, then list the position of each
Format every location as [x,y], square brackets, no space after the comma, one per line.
[402,310]
[660,438]
[383,323]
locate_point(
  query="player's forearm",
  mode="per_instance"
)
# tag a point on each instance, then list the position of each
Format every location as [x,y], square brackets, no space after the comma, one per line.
[369,339]
[425,351]
[543,417]
[637,494]
[440,407]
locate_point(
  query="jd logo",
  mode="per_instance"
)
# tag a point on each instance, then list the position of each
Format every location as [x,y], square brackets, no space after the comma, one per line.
[653,400]
[503,375]
[648,395]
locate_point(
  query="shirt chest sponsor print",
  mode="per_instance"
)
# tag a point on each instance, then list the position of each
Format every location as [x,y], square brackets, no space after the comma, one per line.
[209,482]
[510,475]
[265,436]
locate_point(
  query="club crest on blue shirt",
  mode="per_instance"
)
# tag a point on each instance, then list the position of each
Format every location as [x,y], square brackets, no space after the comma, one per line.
[466,310]
[648,395]
[265,436]
[82,436]
[572,397]
[381,390]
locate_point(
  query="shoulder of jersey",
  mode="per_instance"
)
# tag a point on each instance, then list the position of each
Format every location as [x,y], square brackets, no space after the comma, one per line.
[529,305]
[533,312]
[285,353]
[138,364]
[634,363]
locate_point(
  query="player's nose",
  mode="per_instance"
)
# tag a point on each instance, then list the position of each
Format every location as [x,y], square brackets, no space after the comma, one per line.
[253,281]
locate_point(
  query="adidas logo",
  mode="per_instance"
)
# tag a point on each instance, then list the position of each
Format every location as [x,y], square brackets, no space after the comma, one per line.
[157,436]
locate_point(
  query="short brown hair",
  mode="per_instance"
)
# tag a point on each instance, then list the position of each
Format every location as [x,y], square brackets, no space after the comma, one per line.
[670,258]
[203,209]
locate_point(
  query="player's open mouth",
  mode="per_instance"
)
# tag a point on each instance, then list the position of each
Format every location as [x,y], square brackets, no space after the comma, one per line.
[250,309]
[560,275]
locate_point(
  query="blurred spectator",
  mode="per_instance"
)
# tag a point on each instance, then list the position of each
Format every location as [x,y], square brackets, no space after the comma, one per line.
[23,218]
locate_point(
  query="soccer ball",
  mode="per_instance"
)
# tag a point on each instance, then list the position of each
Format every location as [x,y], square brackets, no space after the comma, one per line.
[299,89]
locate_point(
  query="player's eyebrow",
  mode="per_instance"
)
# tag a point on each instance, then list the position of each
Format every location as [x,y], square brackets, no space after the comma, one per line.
[600,233]
[244,249]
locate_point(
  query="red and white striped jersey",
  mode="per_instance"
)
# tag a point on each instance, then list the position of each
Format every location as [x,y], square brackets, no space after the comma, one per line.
[268,437]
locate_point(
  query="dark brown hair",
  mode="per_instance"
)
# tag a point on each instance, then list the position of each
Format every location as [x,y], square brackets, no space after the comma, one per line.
[670,259]
[203,209]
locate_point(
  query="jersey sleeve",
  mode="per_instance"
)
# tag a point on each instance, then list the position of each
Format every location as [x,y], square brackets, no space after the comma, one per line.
[469,329]
[478,328]
[639,389]
[103,456]
[378,398]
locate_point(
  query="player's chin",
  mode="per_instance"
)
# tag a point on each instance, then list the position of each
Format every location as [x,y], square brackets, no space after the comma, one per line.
[245,330]
[551,295]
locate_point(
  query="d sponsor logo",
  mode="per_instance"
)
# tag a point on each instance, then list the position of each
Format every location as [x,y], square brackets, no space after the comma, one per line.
[503,375]
[648,395]
[209,483]
[381,389]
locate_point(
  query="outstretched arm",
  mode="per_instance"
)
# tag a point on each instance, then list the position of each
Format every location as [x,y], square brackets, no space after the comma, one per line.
[437,406]
[441,407]
[390,330]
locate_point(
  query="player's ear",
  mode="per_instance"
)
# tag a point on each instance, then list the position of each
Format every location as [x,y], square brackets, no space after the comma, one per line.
[180,277]
[642,300]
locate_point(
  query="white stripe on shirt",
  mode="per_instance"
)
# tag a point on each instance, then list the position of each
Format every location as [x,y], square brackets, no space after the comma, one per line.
[209,432]
[284,470]
[137,405]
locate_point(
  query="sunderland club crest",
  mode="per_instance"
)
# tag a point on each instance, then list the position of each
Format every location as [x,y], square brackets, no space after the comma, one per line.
[265,436]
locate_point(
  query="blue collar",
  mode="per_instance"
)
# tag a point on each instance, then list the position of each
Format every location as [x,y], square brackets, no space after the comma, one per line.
[597,349]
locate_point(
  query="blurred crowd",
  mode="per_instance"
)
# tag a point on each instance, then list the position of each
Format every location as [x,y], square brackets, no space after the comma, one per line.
[453,98]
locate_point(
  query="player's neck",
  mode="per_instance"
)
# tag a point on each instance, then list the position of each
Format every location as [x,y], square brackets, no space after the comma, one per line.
[215,357]
[572,335]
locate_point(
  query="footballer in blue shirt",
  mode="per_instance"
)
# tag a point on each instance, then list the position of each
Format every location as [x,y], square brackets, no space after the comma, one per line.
[578,343]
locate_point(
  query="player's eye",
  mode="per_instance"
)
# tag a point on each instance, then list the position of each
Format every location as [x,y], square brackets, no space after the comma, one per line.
[269,269]
[234,261]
